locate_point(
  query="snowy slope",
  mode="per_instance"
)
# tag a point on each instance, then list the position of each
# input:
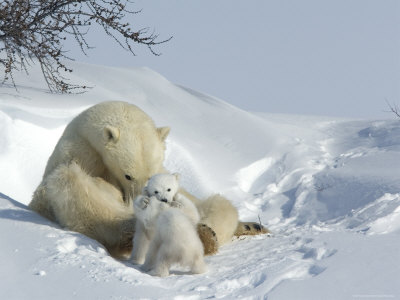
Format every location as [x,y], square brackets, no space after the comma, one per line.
[329,189]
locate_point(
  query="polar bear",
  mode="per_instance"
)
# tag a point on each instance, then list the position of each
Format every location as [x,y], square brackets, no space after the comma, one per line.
[114,148]
[175,241]
[164,187]
[169,221]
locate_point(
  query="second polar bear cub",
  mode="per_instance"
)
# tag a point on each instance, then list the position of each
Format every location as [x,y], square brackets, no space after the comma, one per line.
[166,228]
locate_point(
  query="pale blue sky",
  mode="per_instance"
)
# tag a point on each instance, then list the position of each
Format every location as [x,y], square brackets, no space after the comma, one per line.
[337,57]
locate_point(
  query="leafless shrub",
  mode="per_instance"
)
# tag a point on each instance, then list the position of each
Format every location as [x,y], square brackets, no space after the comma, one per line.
[34,31]
[394,108]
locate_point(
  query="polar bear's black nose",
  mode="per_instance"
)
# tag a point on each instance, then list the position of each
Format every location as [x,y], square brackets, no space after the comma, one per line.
[164,200]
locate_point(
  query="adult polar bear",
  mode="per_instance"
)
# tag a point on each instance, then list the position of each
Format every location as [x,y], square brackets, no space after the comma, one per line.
[101,162]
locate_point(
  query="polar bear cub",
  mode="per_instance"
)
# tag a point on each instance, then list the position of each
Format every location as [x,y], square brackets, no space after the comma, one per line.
[166,228]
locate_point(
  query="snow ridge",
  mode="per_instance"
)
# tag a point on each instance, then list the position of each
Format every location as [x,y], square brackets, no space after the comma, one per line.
[328,189]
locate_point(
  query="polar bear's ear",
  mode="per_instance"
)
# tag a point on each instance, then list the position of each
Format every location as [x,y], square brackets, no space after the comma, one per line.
[163,132]
[111,134]
[177,176]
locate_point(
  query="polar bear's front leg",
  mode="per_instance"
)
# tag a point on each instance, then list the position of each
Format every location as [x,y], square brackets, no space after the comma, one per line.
[140,244]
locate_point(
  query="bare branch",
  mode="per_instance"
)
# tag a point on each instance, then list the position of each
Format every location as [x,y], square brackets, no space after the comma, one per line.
[33,31]
[394,108]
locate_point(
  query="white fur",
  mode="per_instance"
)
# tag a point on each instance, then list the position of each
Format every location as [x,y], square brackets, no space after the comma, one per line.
[166,227]
[163,186]
[101,162]
[100,210]
[175,241]
[147,210]
[116,147]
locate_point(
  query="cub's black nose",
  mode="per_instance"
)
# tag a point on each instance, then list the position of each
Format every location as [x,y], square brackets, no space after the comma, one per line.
[164,200]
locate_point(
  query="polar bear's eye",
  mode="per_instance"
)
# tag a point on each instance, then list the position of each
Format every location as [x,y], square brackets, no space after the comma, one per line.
[155,192]
[168,190]
[128,177]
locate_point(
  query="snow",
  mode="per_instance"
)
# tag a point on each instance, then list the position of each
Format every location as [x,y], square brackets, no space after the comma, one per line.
[327,188]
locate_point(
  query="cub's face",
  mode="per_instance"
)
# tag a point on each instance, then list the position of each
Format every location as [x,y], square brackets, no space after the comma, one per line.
[163,186]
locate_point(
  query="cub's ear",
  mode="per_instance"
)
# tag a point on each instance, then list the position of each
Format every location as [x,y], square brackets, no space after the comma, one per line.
[111,134]
[163,132]
[177,176]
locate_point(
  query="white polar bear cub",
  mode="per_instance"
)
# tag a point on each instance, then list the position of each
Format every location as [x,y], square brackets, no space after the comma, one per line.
[166,227]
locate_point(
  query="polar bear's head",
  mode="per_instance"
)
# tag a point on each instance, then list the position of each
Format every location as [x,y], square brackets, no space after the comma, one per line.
[134,155]
[163,186]
[130,145]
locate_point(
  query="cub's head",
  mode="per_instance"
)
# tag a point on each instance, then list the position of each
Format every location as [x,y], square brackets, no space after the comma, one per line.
[163,186]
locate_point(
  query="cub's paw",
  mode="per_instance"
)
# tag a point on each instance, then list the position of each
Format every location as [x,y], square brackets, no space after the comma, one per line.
[145,267]
[208,238]
[250,228]
[142,202]
[160,273]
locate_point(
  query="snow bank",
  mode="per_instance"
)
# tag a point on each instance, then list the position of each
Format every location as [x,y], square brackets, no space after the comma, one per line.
[329,190]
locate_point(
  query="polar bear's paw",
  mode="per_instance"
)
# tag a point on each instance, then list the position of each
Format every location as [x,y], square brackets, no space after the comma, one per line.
[176,204]
[208,239]
[123,249]
[250,228]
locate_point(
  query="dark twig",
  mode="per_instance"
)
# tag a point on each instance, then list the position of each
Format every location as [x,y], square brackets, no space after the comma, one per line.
[34,31]
[394,108]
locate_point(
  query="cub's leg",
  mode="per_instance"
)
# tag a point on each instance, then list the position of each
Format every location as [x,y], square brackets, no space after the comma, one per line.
[162,263]
[140,244]
[198,265]
[151,256]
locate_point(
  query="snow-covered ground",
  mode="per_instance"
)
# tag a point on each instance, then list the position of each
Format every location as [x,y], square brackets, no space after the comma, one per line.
[327,188]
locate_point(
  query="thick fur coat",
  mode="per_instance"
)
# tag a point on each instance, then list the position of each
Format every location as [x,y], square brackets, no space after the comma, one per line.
[166,228]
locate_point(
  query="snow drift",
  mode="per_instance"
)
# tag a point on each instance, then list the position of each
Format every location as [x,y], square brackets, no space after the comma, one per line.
[328,188]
